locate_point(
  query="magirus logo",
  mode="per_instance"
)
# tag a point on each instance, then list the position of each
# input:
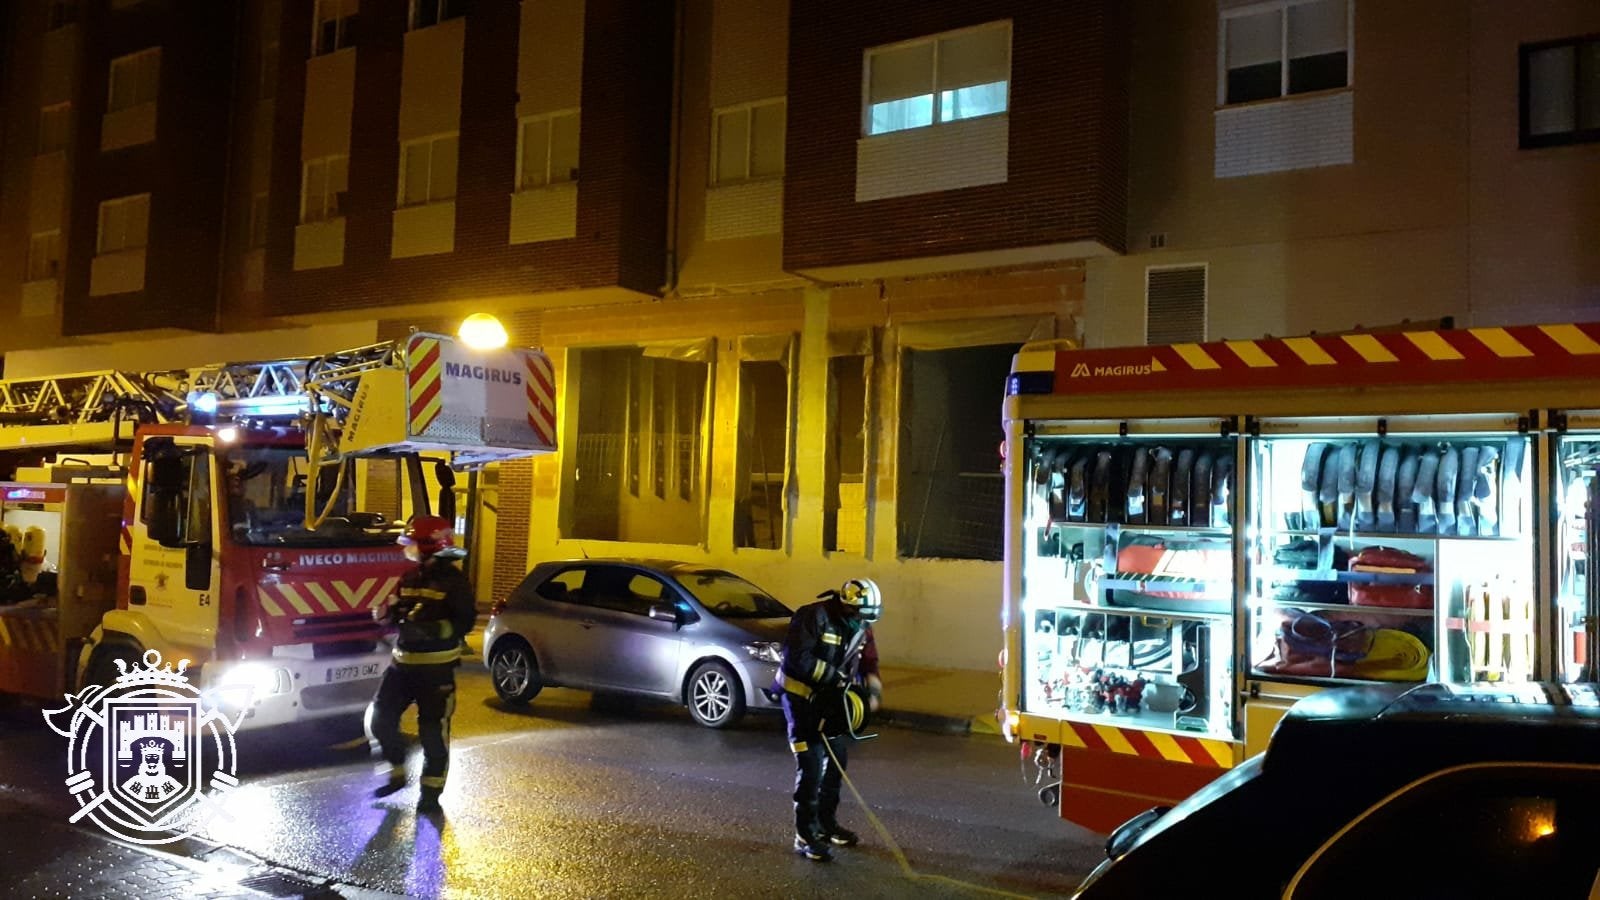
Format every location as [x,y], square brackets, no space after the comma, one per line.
[141,752]
[1083,370]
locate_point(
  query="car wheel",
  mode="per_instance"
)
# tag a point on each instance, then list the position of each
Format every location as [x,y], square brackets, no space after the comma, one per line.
[514,672]
[715,697]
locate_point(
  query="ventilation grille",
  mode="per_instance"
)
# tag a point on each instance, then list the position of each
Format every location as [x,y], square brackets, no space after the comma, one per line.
[1175,305]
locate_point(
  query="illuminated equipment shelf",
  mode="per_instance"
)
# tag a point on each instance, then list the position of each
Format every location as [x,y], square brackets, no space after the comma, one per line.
[1347,607]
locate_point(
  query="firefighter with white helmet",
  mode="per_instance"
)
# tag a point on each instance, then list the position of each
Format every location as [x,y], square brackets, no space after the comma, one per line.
[431,613]
[829,658]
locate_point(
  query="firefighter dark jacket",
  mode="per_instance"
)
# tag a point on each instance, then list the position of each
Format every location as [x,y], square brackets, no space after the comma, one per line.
[432,613]
[818,649]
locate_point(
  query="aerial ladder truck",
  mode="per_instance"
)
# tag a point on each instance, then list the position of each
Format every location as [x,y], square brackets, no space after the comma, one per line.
[213,514]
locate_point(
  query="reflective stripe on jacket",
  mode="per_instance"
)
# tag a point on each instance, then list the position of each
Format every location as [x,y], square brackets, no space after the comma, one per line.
[817,649]
[433,611]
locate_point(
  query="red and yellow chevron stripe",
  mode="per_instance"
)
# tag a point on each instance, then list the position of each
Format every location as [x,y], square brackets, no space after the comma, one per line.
[424,371]
[307,598]
[541,397]
[28,634]
[1523,352]
[1151,744]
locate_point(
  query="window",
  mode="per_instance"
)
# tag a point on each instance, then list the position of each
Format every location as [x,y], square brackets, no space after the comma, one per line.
[637,456]
[135,80]
[62,14]
[1312,35]
[124,224]
[55,124]
[1175,305]
[334,26]
[547,150]
[428,170]
[44,255]
[257,228]
[268,86]
[1486,831]
[951,497]
[564,586]
[748,142]
[1560,92]
[322,188]
[764,410]
[944,78]
[432,12]
[177,498]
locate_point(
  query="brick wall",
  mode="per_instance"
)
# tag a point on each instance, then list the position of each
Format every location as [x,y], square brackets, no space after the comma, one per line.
[184,169]
[1068,133]
[622,192]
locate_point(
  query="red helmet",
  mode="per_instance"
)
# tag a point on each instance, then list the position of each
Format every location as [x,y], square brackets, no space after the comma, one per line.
[432,536]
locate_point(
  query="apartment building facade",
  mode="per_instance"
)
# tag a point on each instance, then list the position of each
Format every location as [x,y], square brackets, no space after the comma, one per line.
[1315,166]
[782,252]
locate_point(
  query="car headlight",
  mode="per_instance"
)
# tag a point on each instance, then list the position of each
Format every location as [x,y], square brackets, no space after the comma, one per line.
[262,680]
[766,651]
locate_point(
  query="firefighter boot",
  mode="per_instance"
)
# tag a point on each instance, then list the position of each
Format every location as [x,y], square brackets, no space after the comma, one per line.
[840,836]
[813,847]
[396,782]
[428,803]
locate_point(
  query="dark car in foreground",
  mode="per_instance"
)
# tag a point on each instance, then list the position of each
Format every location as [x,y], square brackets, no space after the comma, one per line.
[1421,792]
[688,633]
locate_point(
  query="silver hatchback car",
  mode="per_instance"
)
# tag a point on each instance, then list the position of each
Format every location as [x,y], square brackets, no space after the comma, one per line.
[688,633]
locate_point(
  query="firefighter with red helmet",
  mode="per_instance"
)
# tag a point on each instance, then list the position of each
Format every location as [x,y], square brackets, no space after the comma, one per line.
[431,613]
[829,660]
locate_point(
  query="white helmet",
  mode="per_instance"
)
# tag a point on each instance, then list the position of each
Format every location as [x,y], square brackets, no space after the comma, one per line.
[864,595]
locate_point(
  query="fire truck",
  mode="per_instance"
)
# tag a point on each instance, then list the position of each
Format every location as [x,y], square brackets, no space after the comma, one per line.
[216,514]
[1199,535]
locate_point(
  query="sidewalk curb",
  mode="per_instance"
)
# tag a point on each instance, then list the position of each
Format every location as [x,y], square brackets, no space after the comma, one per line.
[923,721]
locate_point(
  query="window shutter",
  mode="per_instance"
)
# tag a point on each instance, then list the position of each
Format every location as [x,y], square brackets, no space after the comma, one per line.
[1175,305]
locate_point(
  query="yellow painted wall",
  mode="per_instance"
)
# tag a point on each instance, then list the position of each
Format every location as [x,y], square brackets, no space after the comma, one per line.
[330,98]
[430,80]
[550,56]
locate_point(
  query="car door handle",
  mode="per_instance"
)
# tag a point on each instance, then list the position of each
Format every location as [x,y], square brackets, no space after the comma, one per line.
[587,623]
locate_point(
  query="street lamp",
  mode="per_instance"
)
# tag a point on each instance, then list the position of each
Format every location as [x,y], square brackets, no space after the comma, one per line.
[482,331]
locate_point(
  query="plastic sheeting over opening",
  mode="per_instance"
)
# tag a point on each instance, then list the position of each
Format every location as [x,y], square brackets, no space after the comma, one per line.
[766,348]
[951,334]
[687,350]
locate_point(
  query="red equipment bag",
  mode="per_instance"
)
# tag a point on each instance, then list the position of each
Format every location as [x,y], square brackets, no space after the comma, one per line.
[1391,561]
[1149,560]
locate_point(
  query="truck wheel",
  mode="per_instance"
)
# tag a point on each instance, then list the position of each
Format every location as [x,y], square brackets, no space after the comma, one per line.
[102,663]
[515,672]
[715,697]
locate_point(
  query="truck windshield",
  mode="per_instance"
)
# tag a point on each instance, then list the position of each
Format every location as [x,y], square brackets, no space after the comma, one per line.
[266,502]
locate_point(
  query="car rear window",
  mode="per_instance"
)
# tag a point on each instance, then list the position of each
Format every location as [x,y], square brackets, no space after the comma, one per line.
[563,585]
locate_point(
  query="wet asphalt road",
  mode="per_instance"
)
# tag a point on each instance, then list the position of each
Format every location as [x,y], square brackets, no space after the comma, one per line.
[584,796]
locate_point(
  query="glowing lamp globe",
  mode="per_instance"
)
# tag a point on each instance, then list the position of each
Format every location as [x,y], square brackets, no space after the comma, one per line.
[481,331]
